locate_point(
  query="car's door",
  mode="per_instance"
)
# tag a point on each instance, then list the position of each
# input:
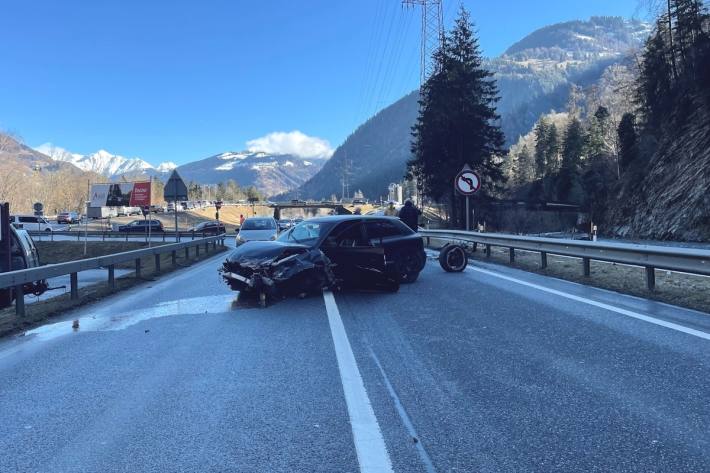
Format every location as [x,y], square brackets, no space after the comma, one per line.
[356,260]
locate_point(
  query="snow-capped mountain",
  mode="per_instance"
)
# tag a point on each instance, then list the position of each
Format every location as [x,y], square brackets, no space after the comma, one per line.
[270,173]
[103,162]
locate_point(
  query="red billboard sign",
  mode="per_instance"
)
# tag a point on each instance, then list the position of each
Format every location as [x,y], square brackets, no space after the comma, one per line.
[140,196]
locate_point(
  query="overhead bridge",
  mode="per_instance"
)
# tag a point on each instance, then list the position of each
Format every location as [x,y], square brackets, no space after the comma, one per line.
[278,206]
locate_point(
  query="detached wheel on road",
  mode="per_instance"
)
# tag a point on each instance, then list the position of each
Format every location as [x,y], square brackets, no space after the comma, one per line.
[453,258]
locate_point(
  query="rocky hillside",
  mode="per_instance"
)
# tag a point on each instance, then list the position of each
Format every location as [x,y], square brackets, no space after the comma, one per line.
[270,174]
[534,76]
[673,200]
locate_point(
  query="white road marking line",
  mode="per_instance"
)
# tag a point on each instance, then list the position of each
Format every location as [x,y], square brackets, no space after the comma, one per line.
[369,444]
[618,310]
[408,425]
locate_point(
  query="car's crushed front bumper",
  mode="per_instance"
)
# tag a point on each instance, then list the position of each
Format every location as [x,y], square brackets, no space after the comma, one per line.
[293,271]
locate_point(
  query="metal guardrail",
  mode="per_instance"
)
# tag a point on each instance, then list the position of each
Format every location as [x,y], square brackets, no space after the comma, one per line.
[687,260]
[116,235]
[17,279]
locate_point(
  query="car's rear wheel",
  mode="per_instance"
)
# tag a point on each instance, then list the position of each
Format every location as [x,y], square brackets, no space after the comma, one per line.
[408,266]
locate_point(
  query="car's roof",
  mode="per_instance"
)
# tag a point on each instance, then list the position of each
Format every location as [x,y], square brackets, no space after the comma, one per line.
[259,218]
[345,218]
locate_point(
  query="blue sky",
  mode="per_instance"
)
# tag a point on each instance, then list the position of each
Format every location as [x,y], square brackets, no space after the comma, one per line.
[172,80]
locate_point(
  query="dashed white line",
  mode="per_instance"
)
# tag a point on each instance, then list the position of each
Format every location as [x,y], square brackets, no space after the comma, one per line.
[584,300]
[369,444]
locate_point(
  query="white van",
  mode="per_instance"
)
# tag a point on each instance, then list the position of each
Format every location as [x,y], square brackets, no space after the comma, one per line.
[33,223]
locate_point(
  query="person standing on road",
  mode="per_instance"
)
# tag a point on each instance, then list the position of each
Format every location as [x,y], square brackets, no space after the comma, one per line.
[409,214]
[241,219]
[391,211]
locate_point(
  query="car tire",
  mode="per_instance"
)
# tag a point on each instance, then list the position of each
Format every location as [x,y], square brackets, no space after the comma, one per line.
[406,264]
[453,258]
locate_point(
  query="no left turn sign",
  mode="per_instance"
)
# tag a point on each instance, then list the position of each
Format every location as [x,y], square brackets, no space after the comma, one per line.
[467,182]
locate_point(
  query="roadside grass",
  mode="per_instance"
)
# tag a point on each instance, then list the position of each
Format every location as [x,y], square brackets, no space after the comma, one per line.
[41,312]
[680,289]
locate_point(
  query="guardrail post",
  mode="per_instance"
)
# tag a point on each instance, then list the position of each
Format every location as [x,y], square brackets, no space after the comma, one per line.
[111,276]
[586,263]
[74,285]
[197,250]
[207,247]
[488,251]
[651,278]
[187,253]
[543,260]
[475,247]
[173,257]
[157,263]
[19,301]
[138,267]
[511,253]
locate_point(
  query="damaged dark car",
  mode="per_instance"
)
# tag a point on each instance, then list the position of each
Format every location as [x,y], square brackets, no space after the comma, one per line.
[335,252]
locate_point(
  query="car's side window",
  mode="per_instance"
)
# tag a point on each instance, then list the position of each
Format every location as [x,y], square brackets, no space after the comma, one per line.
[351,236]
[28,219]
[380,229]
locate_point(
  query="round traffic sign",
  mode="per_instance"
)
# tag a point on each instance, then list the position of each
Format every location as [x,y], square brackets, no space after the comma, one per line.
[467,182]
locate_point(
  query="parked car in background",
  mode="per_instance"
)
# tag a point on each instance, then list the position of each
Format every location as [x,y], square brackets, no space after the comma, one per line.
[68,217]
[33,223]
[157,209]
[213,227]
[257,229]
[285,224]
[141,226]
[171,207]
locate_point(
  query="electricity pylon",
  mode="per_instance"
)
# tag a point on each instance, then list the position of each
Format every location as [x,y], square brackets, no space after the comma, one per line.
[432,33]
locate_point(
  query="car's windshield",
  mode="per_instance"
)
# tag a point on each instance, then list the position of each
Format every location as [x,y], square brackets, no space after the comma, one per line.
[258,224]
[305,233]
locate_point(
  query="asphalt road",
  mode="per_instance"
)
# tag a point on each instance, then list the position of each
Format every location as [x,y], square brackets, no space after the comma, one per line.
[492,370]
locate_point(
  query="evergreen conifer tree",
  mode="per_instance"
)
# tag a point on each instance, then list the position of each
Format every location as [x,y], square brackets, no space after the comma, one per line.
[572,152]
[541,131]
[552,150]
[628,141]
[458,122]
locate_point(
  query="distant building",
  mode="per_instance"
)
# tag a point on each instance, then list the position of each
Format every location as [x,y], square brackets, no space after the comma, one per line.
[395,193]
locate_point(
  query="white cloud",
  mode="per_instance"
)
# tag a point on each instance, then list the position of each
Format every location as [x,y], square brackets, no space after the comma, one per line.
[294,142]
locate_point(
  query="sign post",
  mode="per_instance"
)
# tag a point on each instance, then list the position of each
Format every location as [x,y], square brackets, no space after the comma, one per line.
[175,189]
[467,183]
[39,211]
